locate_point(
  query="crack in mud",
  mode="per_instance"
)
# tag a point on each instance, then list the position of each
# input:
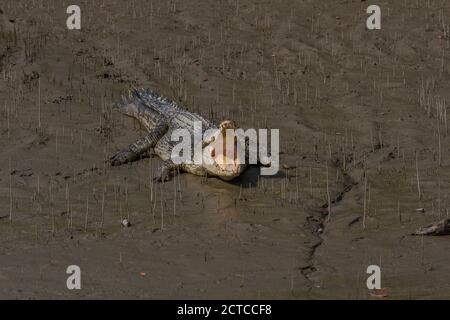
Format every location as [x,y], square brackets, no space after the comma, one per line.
[316,223]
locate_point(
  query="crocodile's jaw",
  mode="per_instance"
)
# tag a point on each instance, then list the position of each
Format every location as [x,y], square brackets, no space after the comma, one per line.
[222,166]
[230,176]
[228,168]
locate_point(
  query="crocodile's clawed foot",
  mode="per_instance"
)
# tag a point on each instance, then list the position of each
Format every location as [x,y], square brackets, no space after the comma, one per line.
[165,172]
[162,177]
[122,157]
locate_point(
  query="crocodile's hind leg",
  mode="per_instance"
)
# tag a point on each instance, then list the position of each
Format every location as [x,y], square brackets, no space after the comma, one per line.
[166,171]
[140,147]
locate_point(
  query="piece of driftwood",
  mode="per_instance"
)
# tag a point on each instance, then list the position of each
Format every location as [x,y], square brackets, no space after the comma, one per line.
[439,228]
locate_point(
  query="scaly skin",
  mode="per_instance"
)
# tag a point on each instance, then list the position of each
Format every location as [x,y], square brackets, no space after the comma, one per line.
[160,117]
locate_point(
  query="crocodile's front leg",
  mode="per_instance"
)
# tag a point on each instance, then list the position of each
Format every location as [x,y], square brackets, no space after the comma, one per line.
[166,171]
[137,149]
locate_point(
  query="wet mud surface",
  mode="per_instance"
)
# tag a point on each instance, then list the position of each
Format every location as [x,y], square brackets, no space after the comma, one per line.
[362,118]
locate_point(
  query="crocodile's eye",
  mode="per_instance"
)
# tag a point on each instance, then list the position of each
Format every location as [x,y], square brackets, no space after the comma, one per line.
[213,152]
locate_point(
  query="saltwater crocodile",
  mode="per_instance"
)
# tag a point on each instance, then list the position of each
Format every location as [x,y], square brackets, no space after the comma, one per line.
[160,117]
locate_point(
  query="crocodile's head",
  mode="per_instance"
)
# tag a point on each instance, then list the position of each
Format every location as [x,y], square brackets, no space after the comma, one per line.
[225,165]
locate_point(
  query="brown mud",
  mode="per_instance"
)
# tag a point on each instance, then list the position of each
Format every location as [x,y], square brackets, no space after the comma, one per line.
[362,114]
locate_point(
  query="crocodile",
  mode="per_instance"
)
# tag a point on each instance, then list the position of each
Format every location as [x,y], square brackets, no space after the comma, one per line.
[160,117]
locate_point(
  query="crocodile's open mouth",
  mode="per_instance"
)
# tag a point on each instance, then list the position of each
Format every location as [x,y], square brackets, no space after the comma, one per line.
[224,157]
[226,161]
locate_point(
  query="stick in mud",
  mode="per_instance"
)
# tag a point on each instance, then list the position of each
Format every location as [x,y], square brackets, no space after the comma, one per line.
[10,192]
[328,196]
[365,200]
[417,175]
[39,102]
[87,214]
[439,228]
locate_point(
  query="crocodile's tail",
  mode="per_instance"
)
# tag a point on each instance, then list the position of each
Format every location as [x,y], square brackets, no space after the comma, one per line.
[146,106]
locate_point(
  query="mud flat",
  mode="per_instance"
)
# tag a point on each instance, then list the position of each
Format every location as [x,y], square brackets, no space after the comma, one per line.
[363,127]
